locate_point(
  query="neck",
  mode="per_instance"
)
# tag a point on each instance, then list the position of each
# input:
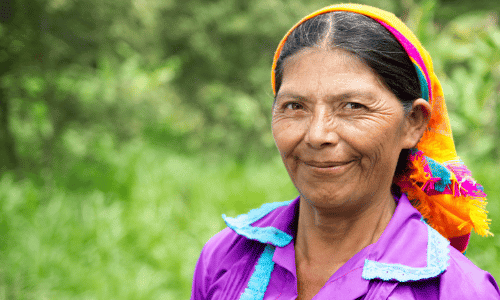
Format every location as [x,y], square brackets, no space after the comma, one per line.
[332,239]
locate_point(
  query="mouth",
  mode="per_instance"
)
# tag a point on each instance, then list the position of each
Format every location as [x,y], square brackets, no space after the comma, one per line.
[326,164]
[328,168]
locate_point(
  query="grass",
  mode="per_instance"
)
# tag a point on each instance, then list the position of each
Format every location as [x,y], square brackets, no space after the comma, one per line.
[140,237]
[138,244]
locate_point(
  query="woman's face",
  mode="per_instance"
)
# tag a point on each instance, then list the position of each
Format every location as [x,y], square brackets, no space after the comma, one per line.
[338,129]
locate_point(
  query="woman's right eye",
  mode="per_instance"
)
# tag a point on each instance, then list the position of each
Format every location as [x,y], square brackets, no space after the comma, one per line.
[293,106]
[354,105]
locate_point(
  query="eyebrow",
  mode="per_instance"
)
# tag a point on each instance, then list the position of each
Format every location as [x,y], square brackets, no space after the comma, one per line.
[290,95]
[347,95]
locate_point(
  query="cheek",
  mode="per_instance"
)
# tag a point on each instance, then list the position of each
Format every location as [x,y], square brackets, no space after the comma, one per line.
[375,142]
[287,134]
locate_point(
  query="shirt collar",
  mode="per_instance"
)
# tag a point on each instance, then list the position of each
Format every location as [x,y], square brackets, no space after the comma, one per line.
[407,250]
[272,223]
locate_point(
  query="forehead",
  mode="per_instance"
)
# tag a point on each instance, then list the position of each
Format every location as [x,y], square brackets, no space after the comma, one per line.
[315,70]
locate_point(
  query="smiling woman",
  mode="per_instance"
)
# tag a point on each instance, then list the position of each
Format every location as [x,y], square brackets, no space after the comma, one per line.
[337,128]
[385,207]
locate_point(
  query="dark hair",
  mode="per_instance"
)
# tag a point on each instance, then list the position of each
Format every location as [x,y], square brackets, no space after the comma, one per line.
[364,37]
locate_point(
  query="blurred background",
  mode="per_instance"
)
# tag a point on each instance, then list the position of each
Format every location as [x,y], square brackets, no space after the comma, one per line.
[128,127]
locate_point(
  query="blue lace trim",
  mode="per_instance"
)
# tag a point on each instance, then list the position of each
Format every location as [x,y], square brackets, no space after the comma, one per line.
[437,262]
[257,285]
[267,235]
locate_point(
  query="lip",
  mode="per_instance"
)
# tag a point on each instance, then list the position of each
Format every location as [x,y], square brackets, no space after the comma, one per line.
[328,167]
[325,164]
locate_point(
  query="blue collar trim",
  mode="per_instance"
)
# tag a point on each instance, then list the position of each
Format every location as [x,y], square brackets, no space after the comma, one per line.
[437,262]
[242,225]
[437,247]
[257,285]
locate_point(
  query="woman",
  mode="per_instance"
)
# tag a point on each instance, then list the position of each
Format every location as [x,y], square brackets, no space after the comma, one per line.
[360,122]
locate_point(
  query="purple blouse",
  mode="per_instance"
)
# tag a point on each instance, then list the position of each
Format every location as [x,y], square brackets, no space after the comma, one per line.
[255,259]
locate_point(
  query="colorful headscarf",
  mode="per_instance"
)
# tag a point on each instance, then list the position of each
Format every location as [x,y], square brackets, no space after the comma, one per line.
[438,184]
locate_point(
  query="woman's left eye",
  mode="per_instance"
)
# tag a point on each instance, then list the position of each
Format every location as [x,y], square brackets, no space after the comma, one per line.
[293,106]
[354,105]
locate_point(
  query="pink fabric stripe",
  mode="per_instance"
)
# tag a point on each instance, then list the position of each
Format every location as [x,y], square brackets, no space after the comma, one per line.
[412,52]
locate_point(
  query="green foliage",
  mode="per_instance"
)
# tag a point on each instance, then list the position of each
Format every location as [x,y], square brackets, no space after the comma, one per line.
[467,60]
[142,245]
[128,127]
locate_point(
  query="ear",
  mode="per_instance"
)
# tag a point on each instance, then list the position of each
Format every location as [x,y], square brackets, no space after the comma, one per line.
[416,123]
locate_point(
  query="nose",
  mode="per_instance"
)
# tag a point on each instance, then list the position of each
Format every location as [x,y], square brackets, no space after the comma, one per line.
[322,131]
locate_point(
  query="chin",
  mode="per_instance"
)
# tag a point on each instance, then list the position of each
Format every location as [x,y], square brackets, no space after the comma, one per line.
[330,199]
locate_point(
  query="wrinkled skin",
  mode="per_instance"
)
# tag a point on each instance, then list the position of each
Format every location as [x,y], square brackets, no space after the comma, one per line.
[340,130]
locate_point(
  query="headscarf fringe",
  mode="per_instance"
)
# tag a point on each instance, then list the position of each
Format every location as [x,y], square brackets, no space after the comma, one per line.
[453,208]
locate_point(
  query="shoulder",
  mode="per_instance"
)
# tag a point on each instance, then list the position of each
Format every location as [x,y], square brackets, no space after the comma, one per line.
[228,258]
[260,226]
[227,248]
[227,244]
[225,262]
[461,280]
[464,280]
